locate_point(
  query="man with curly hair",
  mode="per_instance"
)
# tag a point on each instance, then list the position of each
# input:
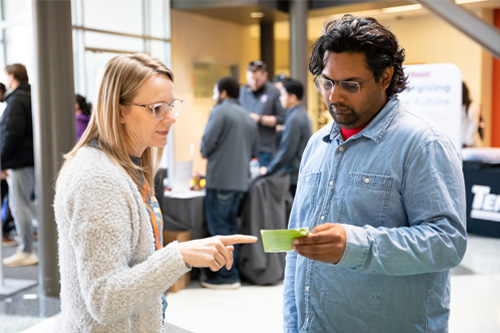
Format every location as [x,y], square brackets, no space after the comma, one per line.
[382,192]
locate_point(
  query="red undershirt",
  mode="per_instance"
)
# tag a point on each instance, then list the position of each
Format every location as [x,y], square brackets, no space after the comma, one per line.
[347,133]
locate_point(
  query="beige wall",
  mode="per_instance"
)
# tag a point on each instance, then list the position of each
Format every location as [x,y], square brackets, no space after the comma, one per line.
[197,38]
[428,39]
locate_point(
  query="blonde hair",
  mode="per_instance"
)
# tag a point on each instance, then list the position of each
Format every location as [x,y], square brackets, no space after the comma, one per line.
[123,76]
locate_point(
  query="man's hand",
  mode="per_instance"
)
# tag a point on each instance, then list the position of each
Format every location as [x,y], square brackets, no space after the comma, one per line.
[255,117]
[5,174]
[325,243]
[214,252]
[263,170]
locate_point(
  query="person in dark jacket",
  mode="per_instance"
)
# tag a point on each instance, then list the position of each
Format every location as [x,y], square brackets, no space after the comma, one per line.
[18,162]
[296,133]
[229,143]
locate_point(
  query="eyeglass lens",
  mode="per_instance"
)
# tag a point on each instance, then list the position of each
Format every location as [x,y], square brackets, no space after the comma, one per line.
[347,87]
[160,111]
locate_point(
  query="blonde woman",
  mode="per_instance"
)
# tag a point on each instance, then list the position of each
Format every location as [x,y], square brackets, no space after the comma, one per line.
[114,269]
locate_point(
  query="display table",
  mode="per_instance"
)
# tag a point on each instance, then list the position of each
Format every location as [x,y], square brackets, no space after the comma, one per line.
[482,182]
[184,211]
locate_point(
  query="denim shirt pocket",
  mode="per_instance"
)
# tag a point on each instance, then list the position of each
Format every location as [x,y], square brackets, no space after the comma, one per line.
[307,193]
[365,199]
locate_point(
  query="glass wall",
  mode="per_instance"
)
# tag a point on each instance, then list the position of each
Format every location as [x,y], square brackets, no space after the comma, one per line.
[102,29]
[15,34]
[105,28]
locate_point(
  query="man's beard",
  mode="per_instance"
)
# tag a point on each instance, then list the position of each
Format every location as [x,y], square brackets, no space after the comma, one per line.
[345,115]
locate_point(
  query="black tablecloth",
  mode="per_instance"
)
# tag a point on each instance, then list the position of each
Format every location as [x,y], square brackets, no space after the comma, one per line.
[182,214]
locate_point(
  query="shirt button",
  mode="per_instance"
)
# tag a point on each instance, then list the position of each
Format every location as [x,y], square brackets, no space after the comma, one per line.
[367,180]
[322,218]
[307,288]
[307,319]
[331,183]
[341,149]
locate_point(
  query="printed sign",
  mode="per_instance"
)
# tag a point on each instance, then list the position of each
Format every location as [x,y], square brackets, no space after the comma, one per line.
[435,90]
[485,205]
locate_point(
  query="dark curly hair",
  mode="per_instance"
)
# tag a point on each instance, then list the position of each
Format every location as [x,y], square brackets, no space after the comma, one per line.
[362,34]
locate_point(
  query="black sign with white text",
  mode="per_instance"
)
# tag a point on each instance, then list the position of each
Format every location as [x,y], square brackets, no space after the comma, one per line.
[482,182]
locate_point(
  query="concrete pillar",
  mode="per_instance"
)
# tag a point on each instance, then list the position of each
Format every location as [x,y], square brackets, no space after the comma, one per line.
[54,122]
[298,43]
[267,46]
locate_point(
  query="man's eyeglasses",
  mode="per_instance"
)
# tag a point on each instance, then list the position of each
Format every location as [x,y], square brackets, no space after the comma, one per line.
[161,110]
[326,86]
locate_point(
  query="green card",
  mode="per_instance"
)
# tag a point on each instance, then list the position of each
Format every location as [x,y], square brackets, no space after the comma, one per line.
[281,240]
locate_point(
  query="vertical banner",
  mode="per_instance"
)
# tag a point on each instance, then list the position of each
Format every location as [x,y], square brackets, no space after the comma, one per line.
[435,90]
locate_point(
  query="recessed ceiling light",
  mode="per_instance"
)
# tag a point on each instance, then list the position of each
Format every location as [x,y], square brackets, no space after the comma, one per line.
[256,14]
[401,8]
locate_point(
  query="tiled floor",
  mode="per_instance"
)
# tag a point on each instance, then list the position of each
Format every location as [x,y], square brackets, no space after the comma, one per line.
[475,303]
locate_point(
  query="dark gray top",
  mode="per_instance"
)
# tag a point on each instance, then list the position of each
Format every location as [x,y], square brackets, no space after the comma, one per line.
[265,101]
[295,136]
[229,143]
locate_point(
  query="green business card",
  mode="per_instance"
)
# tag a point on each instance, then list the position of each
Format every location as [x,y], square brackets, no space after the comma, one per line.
[281,240]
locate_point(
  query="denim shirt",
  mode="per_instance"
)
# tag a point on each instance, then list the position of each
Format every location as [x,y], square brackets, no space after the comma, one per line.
[397,188]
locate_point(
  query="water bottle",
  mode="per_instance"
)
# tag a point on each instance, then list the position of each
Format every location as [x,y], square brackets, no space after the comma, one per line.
[254,168]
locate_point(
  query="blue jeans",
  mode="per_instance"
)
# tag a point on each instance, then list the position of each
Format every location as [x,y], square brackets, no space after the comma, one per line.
[265,157]
[221,209]
[21,187]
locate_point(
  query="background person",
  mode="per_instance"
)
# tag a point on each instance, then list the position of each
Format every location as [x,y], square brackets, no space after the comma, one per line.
[3,90]
[277,82]
[393,187]
[229,143]
[297,131]
[261,100]
[278,79]
[16,130]
[7,221]
[472,123]
[83,110]
[109,222]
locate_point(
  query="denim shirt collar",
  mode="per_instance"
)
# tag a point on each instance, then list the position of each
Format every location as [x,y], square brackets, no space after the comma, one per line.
[375,129]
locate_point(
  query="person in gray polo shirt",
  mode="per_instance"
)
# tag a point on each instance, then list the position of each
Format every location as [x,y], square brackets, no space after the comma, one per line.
[229,143]
[261,100]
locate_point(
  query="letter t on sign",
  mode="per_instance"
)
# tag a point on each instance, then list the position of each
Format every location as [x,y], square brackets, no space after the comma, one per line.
[480,192]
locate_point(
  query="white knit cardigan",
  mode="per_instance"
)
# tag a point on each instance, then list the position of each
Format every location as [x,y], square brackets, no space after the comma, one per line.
[112,278]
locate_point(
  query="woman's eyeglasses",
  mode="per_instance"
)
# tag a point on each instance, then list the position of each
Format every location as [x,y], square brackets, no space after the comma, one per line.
[161,110]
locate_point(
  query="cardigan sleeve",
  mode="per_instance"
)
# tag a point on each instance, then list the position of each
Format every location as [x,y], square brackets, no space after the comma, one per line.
[103,218]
